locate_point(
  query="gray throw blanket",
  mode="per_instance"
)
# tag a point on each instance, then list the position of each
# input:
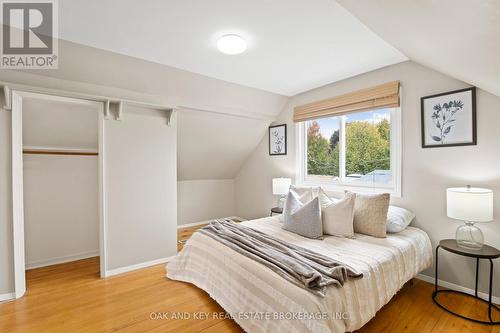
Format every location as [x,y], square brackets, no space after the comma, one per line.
[304,268]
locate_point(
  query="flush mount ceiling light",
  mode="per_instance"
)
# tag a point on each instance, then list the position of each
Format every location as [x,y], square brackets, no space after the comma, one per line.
[231,44]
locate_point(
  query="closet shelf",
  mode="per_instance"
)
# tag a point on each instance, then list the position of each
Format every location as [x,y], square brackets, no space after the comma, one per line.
[59,152]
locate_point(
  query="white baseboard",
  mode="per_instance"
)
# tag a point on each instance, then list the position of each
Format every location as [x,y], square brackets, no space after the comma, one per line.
[187,225]
[7,297]
[61,260]
[449,285]
[134,267]
[116,271]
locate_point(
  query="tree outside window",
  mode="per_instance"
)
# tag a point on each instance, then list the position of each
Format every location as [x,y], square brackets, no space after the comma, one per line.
[367,147]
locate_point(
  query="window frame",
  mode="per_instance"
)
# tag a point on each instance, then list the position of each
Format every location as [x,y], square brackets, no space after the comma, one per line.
[302,179]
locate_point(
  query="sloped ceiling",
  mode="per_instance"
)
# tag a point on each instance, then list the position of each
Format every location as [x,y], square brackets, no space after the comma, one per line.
[456,37]
[211,145]
[460,38]
[214,146]
[293,46]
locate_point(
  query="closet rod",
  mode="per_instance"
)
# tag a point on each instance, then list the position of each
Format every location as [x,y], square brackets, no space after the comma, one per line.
[59,152]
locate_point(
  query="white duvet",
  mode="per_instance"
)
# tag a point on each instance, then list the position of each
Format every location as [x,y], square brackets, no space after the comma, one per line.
[261,301]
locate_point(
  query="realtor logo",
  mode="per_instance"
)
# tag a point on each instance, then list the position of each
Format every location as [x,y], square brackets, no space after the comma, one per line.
[29,37]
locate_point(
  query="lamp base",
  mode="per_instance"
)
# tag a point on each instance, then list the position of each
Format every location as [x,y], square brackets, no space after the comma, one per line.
[281,202]
[469,236]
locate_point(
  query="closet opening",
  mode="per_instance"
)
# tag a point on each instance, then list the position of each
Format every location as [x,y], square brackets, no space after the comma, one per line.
[57,172]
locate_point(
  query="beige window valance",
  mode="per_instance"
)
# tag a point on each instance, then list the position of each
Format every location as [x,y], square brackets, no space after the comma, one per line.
[378,97]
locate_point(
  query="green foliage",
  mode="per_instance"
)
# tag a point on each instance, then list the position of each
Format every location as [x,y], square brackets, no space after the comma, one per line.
[334,139]
[384,129]
[321,159]
[367,149]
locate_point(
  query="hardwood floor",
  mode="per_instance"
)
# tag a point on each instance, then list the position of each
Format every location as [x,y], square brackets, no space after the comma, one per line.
[72,298]
[183,234]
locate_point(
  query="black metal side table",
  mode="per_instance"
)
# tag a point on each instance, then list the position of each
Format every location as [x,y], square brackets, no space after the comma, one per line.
[276,210]
[486,252]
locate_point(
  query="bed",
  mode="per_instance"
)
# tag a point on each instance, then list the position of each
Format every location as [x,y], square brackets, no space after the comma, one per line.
[259,300]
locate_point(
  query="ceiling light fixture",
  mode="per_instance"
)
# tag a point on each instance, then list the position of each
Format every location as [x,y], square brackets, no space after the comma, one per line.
[231,44]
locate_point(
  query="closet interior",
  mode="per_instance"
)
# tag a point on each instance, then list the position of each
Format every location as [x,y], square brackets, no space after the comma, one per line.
[60,181]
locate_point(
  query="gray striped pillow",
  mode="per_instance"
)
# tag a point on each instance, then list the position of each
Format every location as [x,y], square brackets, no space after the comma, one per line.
[303,218]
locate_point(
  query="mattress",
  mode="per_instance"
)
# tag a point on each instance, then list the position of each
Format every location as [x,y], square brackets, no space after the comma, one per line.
[259,300]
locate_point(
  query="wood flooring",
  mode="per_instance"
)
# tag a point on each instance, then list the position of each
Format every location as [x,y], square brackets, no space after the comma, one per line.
[183,234]
[72,298]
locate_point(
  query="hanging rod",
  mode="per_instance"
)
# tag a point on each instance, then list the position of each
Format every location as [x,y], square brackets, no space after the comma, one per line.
[59,152]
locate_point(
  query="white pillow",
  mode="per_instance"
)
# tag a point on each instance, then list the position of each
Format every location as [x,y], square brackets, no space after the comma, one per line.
[337,215]
[324,200]
[398,219]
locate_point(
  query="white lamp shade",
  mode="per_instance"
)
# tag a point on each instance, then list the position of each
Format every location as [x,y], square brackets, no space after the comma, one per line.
[281,185]
[470,204]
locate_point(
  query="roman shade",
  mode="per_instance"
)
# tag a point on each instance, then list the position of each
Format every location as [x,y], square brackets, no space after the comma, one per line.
[378,97]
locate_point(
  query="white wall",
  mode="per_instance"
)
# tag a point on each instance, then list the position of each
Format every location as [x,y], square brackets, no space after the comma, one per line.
[91,71]
[6,245]
[215,146]
[426,172]
[61,219]
[211,148]
[58,124]
[203,200]
[141,187]
[61,213]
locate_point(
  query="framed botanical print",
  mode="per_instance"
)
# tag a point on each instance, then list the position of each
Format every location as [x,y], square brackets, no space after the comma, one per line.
[449,119]
[277,140]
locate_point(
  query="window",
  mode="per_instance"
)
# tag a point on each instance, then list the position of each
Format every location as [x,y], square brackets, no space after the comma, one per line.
[358,151]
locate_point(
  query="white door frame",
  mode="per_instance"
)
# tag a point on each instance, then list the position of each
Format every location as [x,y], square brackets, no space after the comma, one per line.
[17,182]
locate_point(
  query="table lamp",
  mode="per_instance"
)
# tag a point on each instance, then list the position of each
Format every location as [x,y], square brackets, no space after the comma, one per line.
[281,187]
[471,205]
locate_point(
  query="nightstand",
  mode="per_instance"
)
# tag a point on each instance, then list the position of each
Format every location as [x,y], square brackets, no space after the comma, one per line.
[276,210]
[486,252]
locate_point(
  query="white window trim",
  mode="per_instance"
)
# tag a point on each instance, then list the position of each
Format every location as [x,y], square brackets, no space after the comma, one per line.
[396,156]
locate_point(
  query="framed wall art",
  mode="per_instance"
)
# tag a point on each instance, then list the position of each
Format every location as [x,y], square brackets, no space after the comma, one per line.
[449,119]
[277,140]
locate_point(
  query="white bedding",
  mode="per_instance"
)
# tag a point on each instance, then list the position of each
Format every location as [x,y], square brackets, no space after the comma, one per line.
[251,293]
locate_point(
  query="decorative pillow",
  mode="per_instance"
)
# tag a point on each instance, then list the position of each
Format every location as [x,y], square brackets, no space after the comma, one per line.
[398,219]
[337,215]
[302,219]
[300,190]
[370,214]
[324,199]
[305,194]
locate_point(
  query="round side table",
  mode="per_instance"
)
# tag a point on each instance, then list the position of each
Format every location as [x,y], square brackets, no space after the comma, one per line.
[276,210]
[486,252]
